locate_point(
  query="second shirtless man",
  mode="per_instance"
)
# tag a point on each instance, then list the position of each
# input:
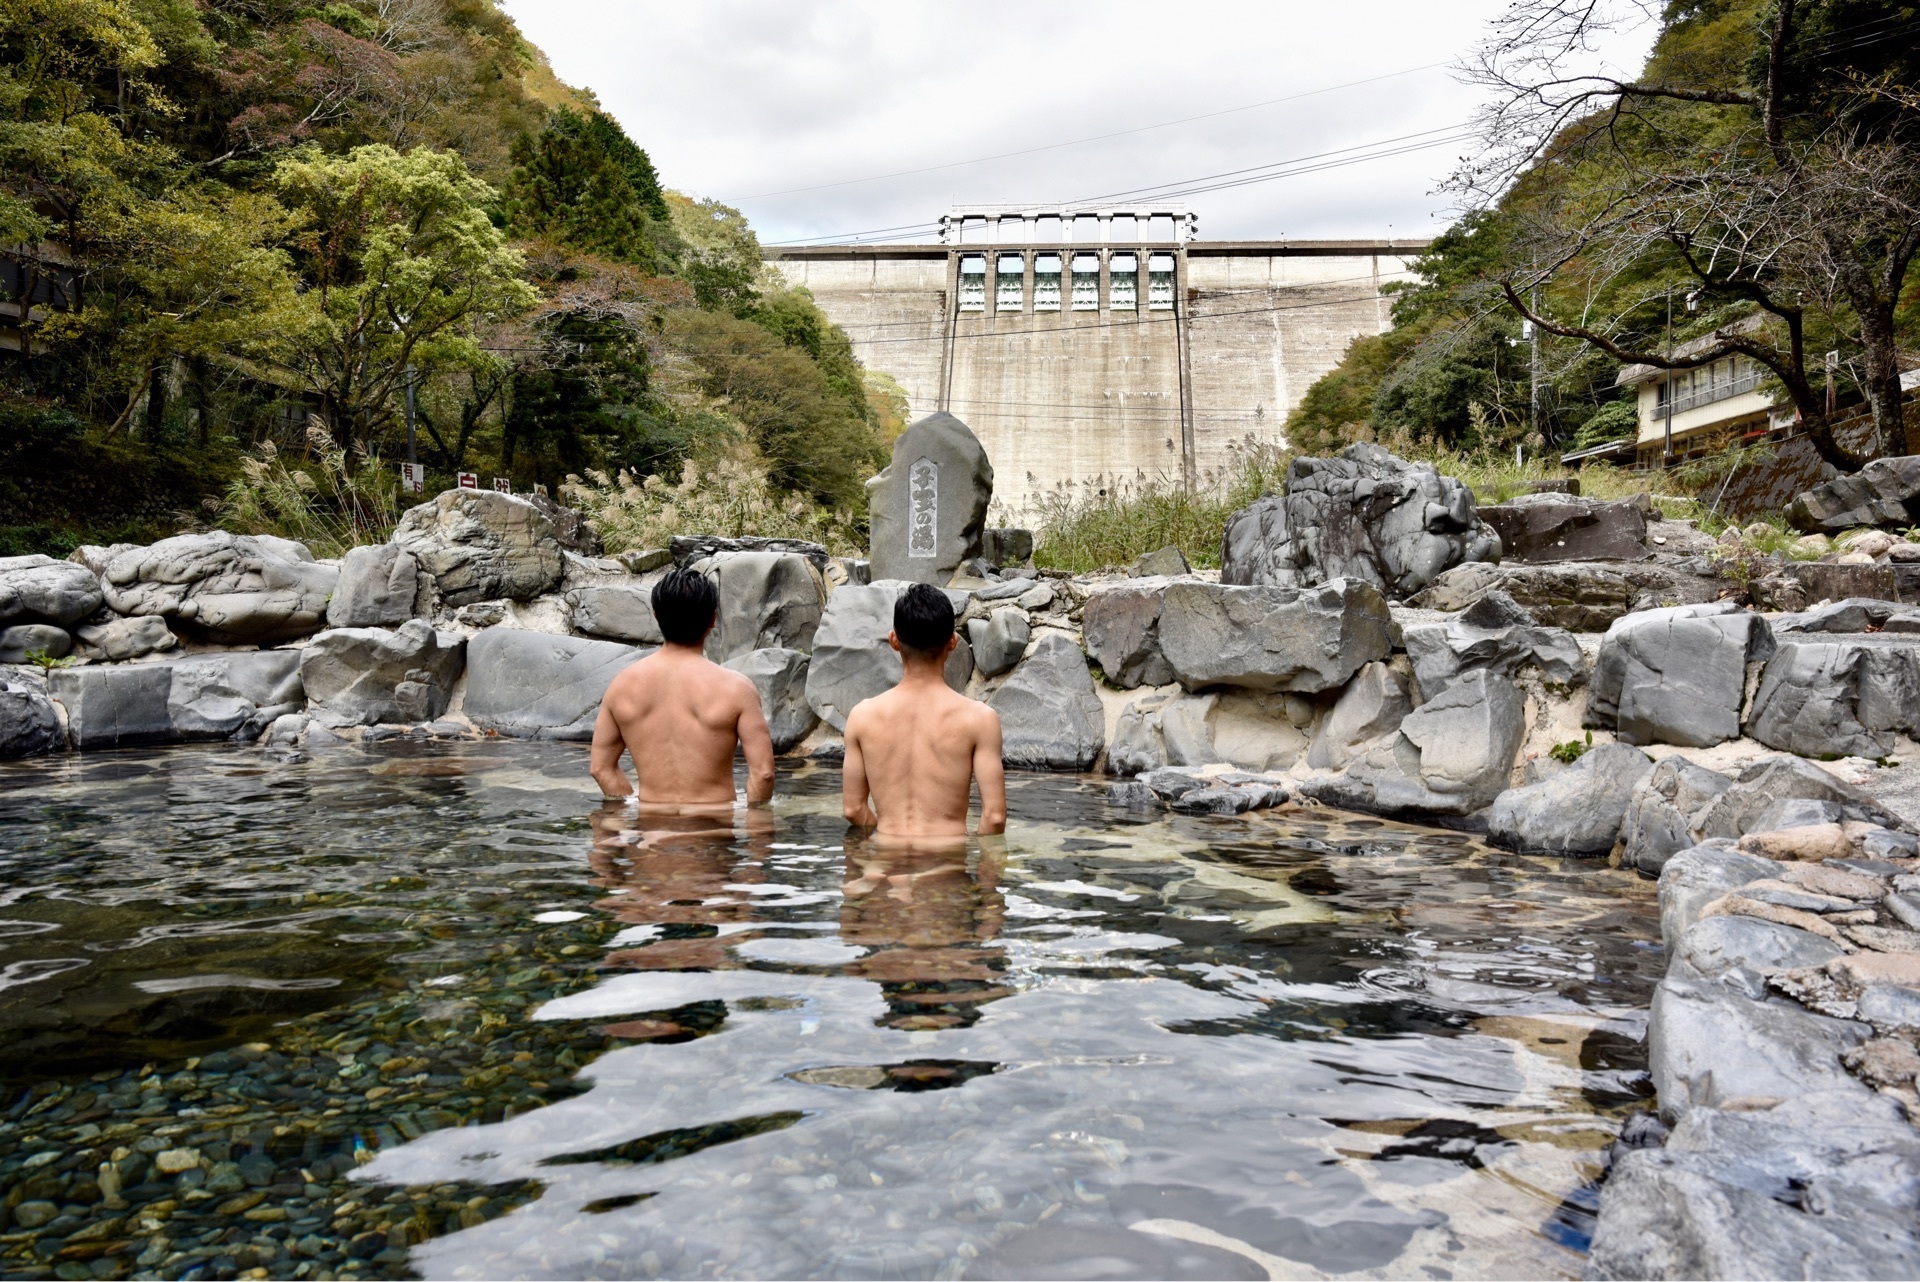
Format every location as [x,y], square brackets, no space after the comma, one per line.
[913,752]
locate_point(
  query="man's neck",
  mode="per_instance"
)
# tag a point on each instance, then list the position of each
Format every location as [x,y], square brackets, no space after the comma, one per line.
[674,650]
[923,672]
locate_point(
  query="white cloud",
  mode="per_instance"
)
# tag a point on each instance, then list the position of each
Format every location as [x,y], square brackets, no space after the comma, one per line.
[735,98]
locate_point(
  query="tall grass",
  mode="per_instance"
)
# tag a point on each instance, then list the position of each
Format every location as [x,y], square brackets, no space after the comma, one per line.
[318,500]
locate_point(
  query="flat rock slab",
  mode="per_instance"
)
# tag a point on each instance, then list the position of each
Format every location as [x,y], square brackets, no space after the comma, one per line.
[209,696]
[1273,638]
[1710,1046]
[533,685]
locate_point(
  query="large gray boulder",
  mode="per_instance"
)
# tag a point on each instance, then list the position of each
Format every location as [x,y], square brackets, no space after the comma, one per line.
[928,507]
[480,545]
[39,589]
[1453,755]
[118,640]
[1577,811]
[380,587]
[1667,812]
[1364,515]
[533,685]
[1169,730]
[1715,945]
[1304,639]
[1121,625]
[234,694]
[252,589]
[370,676]
[1884,492]
[1676,675]
[1050,714]
[1495,635]
[1371,707]
[1694,878]
[1710,1046]
[1561,527]
[113,706]
[617,611]
[851,658]
[1763,794]
[768,600]
[780,677]
[19,643]
[29,725]
[1850,697]
[999,640]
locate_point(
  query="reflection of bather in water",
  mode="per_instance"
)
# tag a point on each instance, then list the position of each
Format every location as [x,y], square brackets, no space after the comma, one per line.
[672,871]
[927,923]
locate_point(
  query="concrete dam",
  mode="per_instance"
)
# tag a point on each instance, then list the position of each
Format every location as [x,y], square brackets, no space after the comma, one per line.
[1090,346]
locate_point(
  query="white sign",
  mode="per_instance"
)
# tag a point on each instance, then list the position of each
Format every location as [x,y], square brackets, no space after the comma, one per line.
[923,508]
[502,485]
[413,478]
[469,480]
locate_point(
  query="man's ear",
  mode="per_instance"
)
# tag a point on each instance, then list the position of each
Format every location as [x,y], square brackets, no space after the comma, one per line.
[893,639]
[953,643]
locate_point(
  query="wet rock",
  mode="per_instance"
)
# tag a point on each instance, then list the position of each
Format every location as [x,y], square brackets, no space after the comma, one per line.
[118,640]
[110,707]
[1363,515]
[1676,675]
[1494,635]
[1167,562]
[24,639]
[1884,492]
[380,587]
[29,726]
[1851,698]
[1666,812]
[999,640]
[928,507]
[1696,877]
[1580,597]
[780,676]
[1171,785]
[1708,1046]
[851,658]
[39,589]
[1716,944]
[480,545]
[1453,755]
[1050,715]
[1121,625]
[1273,638]
[1371,706]
[1578,811]
[533,685]
[1552,527]
[244,588]
[768,600]
[1133,795]
[368,676]
[220,696]
[1889,1005]
[34,1214]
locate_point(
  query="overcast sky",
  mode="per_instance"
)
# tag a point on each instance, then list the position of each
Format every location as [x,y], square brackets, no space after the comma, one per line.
[749,100]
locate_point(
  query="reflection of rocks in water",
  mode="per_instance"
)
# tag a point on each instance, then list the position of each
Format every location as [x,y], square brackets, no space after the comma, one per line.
[927,922]
[912,1075]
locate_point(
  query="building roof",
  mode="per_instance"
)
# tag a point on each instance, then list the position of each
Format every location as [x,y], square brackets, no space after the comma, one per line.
[1633,374]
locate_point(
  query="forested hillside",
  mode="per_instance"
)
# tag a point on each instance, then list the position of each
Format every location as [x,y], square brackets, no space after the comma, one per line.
[239,232]
[1763,169]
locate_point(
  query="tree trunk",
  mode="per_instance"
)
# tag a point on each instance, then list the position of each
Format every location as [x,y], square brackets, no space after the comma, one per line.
[156,401]
[1882,383]
[202,402]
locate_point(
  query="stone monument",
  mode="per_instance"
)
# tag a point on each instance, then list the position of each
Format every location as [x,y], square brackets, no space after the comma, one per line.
[927,508]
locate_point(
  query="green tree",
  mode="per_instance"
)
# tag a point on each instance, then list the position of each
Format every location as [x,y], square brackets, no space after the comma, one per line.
[583,183]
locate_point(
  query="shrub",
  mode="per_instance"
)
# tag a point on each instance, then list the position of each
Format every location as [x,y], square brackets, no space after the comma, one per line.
[321,503]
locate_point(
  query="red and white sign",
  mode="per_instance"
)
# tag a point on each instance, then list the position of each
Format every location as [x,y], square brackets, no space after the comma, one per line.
[469,480]
[502,485]
[413,477]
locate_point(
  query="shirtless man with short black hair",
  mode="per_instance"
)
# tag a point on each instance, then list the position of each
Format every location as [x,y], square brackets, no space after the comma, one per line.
[912,752]
[681,715]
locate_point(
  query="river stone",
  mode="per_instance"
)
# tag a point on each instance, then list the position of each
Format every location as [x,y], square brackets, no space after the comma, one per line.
[481,545]
[1676,675]
[1136,746]
[24,639]
[999,640]
[851,658]
[570,527]
[533,685]
[1303,639]
[1709,1046]
[1493,634]
[235,694]
[1577,811]
[1364,514]
[1121,625]
[1715,944]
[1050,714]
[1166,562]
[29,725]
[768,600]
[1884,492]
[380,587]
[1454,755]
[780,676]
[39,589]
[1752,803]
[1556,527]
[114,706]
[1665,813]
[370,676]
[928,507]
[1580,597]
[1839,698]
[617,611]
[1371,706]
[1695,877]
[118,640]
[253,589]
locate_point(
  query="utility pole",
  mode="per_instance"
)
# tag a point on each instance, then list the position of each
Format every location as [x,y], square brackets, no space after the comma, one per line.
[412,457]
[1666,460]
[1534,415]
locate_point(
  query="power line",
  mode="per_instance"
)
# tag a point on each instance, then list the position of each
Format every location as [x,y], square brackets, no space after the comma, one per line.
[1151,191]
[1055,146]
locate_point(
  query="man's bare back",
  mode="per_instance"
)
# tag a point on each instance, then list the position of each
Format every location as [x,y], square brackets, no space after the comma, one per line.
[916,749]
[680,715]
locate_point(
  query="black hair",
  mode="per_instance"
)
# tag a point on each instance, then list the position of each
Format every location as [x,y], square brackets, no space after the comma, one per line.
[684,604]
[923,620]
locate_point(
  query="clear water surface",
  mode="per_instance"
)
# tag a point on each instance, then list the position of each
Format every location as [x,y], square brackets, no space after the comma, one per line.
[430,1009]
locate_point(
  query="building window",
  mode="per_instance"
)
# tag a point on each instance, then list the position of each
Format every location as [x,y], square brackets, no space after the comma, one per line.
[973,283]
[1159,282]
[1123,283]
[1690,389]
[1046,282]
[1086,282]
[1009,283]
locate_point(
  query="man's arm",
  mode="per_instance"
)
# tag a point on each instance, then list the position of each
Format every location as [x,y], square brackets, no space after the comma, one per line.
[604,764]
[757,742]
[853,778]
[991,773]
